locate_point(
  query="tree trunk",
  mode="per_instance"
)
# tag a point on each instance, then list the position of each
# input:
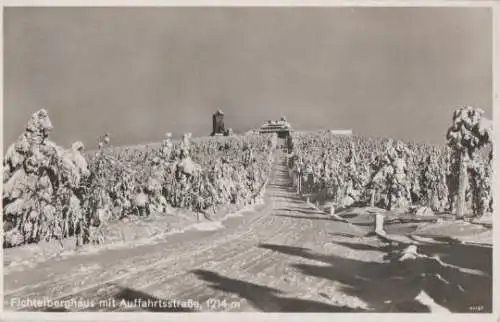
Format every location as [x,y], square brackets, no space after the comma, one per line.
[340,196]
[462,186]
[390,201]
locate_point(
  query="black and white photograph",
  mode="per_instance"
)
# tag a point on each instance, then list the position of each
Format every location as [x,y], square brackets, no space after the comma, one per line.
[334,159]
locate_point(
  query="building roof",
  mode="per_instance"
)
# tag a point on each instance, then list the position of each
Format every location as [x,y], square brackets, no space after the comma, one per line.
[276,125]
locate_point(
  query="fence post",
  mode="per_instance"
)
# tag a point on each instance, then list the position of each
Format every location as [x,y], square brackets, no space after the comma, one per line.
[379,224]
[332,209]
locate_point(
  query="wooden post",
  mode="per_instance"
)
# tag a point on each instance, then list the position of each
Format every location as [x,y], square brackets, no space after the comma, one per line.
[379,224]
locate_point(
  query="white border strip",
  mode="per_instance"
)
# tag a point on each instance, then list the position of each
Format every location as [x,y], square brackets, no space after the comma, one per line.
[496,161]
[243,317]
[246,317]
[254,3]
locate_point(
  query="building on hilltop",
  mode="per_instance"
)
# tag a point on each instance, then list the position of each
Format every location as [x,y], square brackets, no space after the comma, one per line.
[341,132]
[281,127]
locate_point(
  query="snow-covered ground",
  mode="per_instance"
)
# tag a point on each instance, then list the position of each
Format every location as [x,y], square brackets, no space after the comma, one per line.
[125,233]
[282,256]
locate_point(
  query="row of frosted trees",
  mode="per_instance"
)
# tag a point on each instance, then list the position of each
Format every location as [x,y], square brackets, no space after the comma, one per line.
[54,193]
[394,174]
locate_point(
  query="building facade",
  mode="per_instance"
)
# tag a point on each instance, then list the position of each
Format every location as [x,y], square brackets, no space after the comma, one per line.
[282,128]
[218,123]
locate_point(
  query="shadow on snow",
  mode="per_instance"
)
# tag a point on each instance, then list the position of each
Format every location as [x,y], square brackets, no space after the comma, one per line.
[264,298]
[394,286]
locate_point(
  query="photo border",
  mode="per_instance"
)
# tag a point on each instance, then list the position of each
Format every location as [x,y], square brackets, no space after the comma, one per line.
[292,317]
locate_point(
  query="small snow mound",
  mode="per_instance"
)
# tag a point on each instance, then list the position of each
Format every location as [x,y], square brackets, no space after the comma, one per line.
[425,299]
[208,226]
[422,211]
[347,201]
[409,253]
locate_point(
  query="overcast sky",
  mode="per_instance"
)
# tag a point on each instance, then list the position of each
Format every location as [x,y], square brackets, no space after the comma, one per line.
[139,72]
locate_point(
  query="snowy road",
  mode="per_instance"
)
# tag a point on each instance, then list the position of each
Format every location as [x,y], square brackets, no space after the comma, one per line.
[282,257]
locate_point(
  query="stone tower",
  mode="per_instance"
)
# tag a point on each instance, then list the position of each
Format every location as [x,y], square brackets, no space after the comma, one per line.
[218,123]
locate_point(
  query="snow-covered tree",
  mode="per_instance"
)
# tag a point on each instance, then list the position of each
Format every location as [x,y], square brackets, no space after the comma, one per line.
[469,132]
